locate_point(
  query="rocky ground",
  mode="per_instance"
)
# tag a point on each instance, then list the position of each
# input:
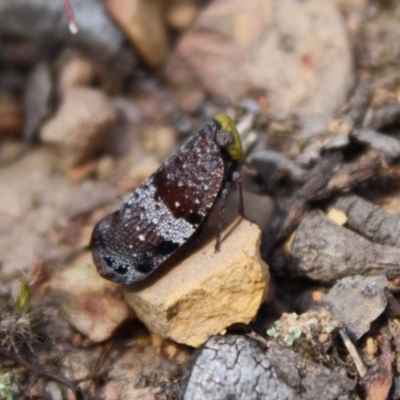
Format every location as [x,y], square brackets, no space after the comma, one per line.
[302,301]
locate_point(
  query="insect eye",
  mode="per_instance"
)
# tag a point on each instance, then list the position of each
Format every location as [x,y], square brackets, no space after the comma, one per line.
[109,261]
[122,269]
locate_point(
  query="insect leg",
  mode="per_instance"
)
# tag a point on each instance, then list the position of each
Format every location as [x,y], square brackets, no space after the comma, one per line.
[224,195]
[237,180]
[195,240]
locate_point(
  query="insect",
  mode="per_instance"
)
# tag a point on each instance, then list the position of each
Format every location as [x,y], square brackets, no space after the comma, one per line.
[170,206]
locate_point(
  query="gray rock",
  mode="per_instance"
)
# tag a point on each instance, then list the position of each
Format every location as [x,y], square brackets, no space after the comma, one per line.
[369,220]
[388,146]
[238,367]
[45,21]
[356,301]
[324,251]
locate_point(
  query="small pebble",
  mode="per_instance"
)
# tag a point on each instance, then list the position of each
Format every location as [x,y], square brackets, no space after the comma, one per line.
[357,301]
[170,350]
[80,128]
[82,172]
[157,342]
[371,346]
[105,167]
[323,338]
[181,13]
[317,296]
[336,215]
[77,71]
[159,140]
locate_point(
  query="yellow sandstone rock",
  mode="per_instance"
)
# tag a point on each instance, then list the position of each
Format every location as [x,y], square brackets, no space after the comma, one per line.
[208,291]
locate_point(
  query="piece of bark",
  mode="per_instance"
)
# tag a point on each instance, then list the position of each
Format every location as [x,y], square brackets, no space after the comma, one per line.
[310,153]
[328,178]
[324,251]
[348,177]
[359,102]
[335,178]
[379,378]
[394,326]
[387,145]
[370,220]
[341,127]
[393,309]
[270,164]
[386,115]
[239,367]
[336,142]
[367,296]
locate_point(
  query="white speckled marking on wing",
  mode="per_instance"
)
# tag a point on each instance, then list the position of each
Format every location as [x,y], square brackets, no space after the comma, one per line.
[167,226]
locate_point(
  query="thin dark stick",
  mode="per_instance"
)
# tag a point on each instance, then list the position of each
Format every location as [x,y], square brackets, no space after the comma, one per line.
[224,195]
[37,371]
[69,12]
[40,372]
[237,179]
[103,354]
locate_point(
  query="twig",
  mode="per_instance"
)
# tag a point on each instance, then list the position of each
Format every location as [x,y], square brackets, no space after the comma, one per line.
[38,371]
[48,374]
[353,353]
[360,101]
[103,354]
[69,12]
